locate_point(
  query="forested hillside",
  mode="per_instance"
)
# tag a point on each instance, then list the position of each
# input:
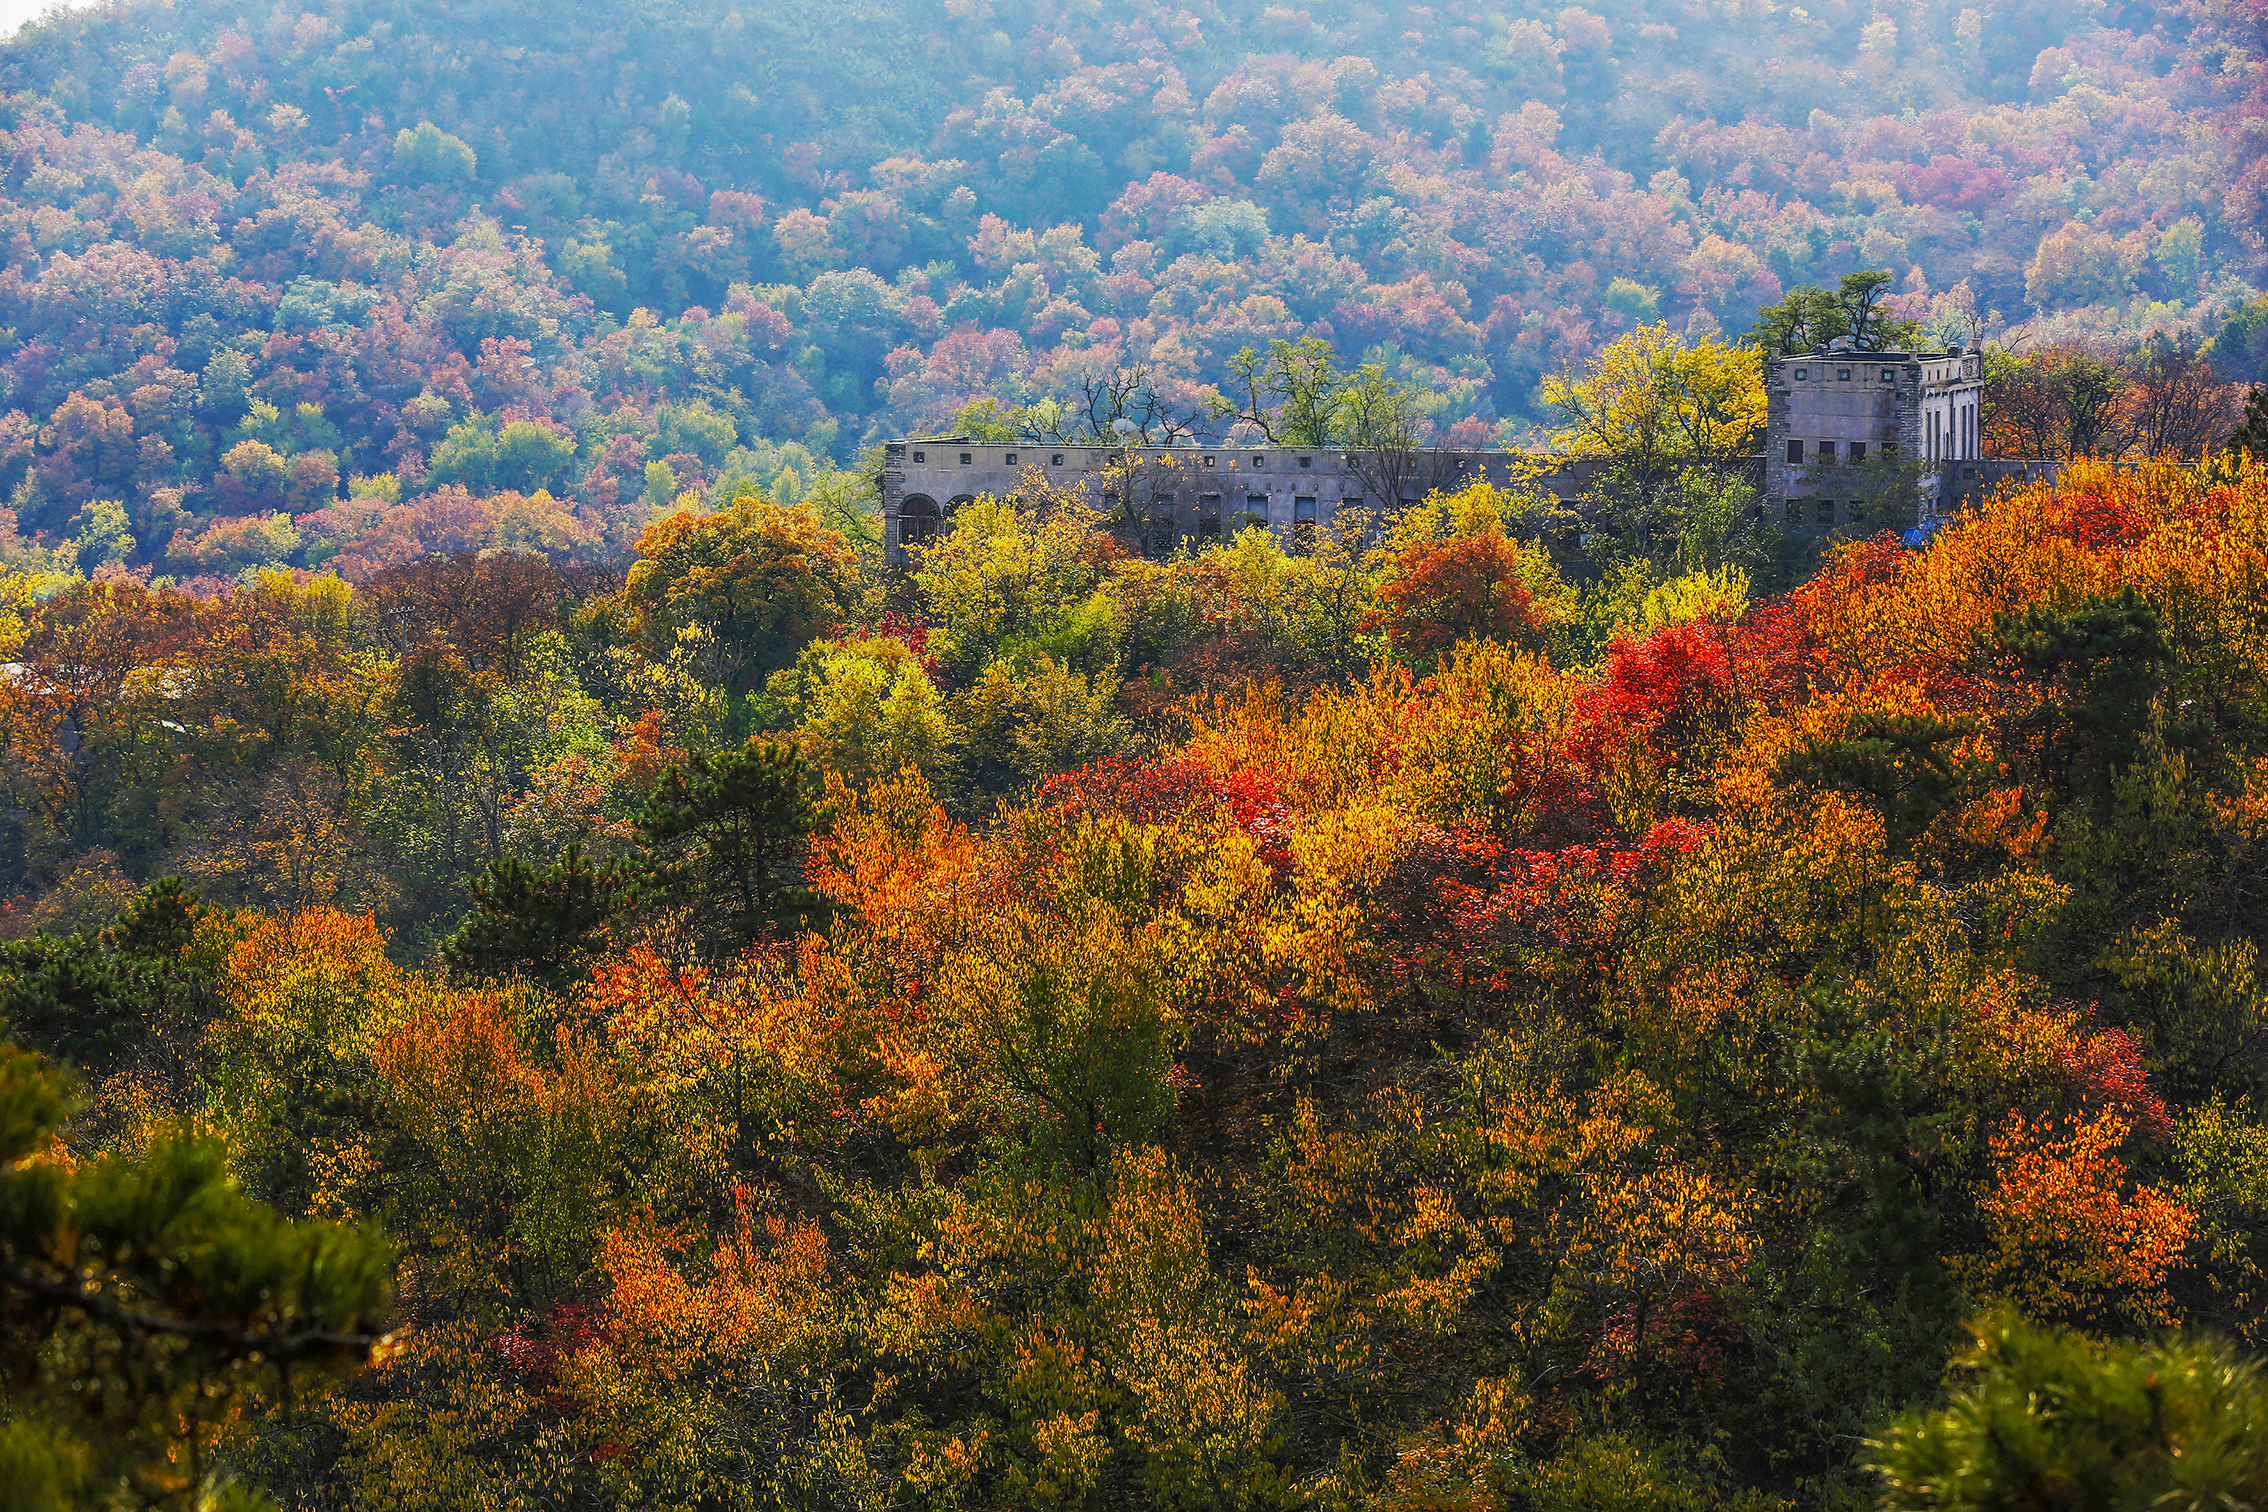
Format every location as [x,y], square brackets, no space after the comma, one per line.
[297,288]
[1342,1030]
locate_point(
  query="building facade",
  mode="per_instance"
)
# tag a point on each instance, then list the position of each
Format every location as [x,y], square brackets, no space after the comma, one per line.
[1169,496]
[1843,428]
[1952,407]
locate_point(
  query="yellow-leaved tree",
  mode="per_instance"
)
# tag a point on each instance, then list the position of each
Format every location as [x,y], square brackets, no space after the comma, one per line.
[1667,421]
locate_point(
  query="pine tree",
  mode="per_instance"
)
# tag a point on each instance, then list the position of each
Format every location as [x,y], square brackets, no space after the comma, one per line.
[727,835]
[1902,762]
[2049,1419]
[2106,660]
[545,925]
[144,1300]
[100,1000]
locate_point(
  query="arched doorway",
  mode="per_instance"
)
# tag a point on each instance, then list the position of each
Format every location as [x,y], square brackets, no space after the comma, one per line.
[917,520]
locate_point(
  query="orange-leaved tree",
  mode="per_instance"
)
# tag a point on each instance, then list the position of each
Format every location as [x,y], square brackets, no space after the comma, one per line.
[1470,587]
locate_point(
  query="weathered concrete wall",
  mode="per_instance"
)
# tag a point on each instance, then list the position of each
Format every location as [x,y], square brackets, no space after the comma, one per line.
[1818,408]
[1952,408]
[1966,484]
[1176,494]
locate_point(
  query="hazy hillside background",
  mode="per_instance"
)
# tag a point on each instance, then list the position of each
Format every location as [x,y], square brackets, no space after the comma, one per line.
[352,284]
[15,14]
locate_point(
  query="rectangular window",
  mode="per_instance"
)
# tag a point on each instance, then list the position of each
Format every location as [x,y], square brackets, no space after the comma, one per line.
[1303,511]
[1259,462]
[1208,461]
[1826,515]
[1795,451]
[1803,375]
[966,459]
[1011,459]
[921,456]
[1056,460]
[1353,503]
[1858,451]
[1256,504]
[1889,375]
[1826,451]
[1307,461]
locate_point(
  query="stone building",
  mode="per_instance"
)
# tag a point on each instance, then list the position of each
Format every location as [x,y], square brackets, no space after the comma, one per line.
[1847,432]
[1841,424]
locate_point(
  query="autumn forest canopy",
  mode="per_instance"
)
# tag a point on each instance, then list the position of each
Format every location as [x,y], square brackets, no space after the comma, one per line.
[541,968]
